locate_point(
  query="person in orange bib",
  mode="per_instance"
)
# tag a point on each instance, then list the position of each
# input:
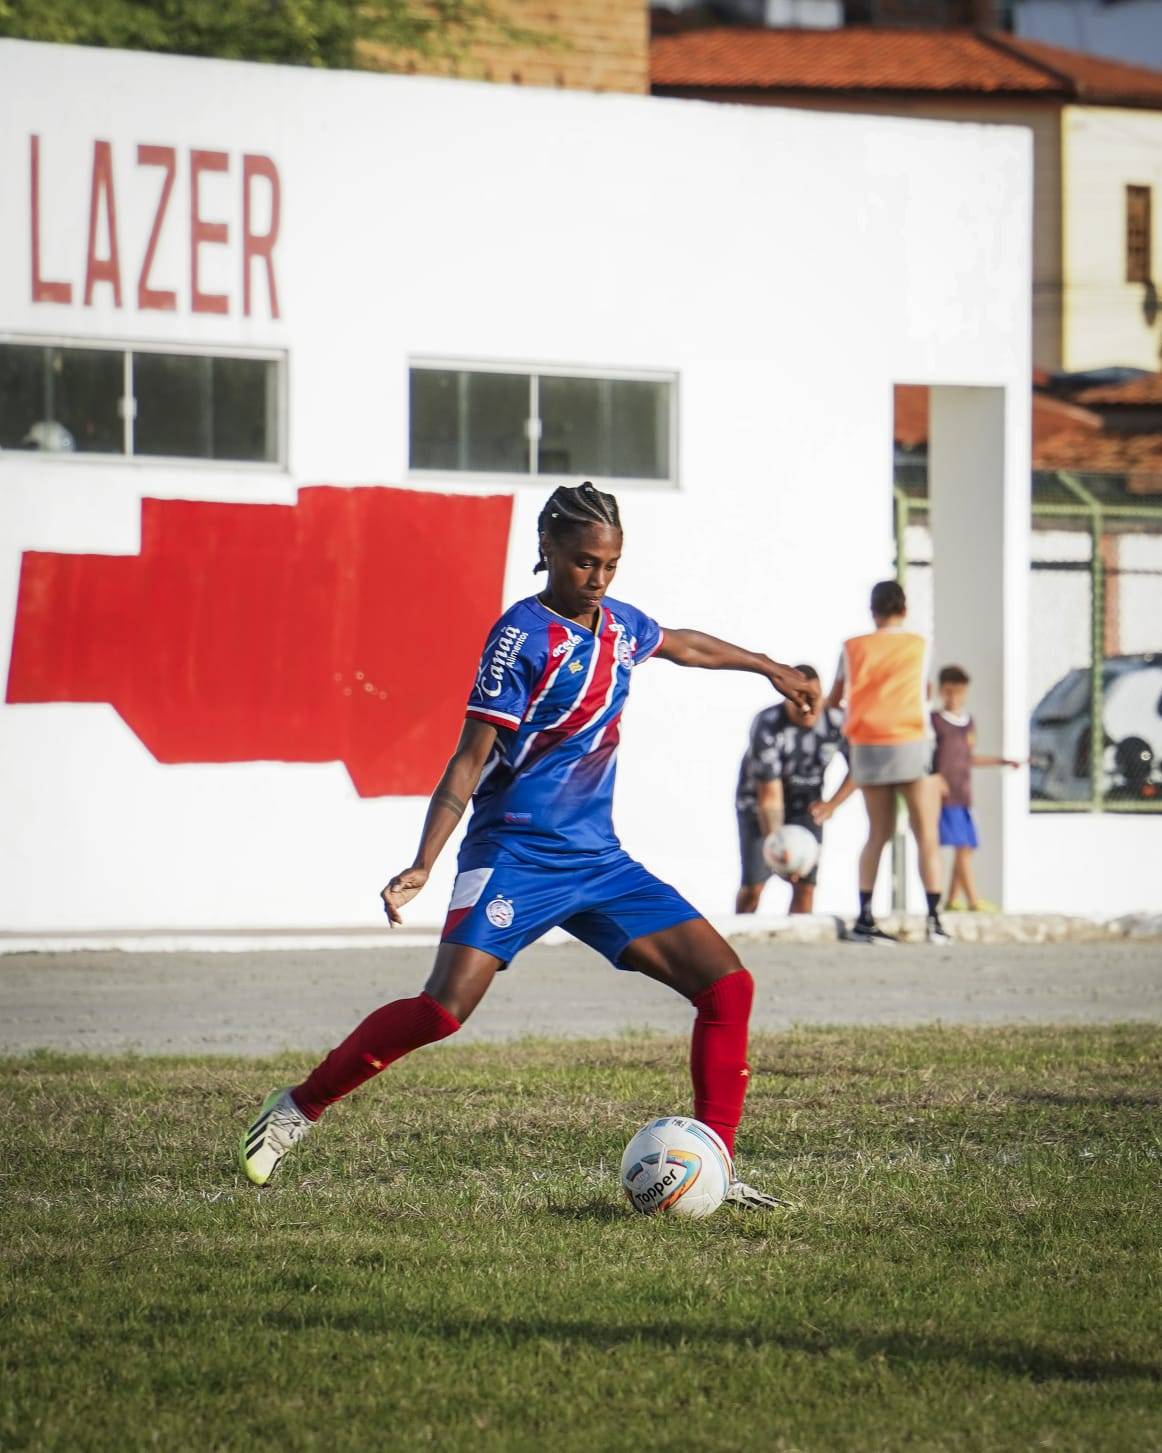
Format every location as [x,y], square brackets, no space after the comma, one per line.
[883,681]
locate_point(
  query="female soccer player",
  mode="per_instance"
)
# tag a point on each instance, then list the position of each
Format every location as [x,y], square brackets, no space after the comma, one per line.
[536,756]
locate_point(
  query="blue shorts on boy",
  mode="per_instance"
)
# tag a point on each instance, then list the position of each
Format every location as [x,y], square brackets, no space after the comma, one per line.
[540,850]
[957,827]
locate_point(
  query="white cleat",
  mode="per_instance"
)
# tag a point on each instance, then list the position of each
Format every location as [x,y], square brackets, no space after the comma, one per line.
[740,1194]
[279,1127]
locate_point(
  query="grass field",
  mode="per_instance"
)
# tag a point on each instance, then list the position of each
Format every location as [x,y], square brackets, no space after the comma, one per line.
[973,1262]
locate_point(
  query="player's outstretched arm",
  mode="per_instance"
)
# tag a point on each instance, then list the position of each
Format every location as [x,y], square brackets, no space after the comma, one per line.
[449,801]
[694,648]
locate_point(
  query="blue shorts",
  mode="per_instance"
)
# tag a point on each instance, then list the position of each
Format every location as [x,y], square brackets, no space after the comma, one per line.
[503,908]
[957,828]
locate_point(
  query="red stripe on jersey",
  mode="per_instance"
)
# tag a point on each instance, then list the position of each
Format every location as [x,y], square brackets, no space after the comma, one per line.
[558,636]
[586,711]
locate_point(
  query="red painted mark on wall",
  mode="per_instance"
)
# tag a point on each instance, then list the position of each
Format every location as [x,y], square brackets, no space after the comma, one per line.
[344,628]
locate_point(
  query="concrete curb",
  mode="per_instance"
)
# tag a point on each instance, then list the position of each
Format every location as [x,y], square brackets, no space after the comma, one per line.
[984,928]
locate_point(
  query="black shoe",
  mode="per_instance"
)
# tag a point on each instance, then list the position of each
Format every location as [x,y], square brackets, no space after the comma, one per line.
[935,932]
[866,931]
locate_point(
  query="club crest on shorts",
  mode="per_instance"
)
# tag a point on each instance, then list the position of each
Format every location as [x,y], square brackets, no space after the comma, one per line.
[500,912]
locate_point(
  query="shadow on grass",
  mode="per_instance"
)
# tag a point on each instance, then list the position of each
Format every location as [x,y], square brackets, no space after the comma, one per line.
[589,1211]
[1081,1100]
[1014,1359]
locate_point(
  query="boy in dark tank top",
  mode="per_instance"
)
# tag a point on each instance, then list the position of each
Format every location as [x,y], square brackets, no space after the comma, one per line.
[954,760]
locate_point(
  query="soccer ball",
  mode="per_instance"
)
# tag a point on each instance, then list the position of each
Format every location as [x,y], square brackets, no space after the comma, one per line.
[677,1166]
[791,851]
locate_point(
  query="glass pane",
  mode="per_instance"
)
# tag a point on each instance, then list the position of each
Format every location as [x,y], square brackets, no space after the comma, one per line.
[574,426]
[192,407]
[173,392]
[61,400]
[640,429]
[461,419]
[22,376]
[245,409]
[497,414]
[434,393]
[84,394]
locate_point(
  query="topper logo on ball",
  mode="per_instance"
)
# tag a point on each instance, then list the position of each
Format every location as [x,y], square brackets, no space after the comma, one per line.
[157,167]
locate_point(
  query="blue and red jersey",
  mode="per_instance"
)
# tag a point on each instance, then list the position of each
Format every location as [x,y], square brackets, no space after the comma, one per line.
[555,691]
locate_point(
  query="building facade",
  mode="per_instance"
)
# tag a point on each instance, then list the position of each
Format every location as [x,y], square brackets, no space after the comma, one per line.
[287,373]
[1096,127]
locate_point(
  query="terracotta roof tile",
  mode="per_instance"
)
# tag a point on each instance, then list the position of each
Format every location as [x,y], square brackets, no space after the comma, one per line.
[1052,419]
[1137,456]
[1135,392]
[860,58]
[1093,77]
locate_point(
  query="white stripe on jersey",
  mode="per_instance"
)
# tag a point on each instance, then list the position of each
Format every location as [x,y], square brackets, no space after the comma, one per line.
[488,714]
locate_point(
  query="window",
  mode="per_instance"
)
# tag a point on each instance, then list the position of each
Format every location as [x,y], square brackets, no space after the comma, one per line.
[112,401]
[1139,243]
[568,424]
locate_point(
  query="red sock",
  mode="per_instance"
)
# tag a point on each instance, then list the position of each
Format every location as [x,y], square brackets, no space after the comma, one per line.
[383,1037]
[718,1064]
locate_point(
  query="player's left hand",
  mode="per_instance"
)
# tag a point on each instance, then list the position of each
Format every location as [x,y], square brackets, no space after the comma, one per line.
[802,690]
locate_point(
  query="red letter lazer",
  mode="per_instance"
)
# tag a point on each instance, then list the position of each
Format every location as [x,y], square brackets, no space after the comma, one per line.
[260,244]
[205,232]
[43,291]
[102,269]
[159,300]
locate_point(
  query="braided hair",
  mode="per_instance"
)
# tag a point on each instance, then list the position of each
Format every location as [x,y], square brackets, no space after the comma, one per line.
[570,509]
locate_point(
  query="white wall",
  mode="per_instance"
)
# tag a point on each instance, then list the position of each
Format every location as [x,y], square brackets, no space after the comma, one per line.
[790,266]
[1107,320]
[1043,120]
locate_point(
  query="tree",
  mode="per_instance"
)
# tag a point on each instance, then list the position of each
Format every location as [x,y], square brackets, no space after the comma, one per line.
[293,32]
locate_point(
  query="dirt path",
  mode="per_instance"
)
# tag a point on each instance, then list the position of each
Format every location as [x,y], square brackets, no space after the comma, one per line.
[255,1003]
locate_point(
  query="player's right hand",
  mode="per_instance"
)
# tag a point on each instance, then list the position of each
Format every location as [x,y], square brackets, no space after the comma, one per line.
[402,889]
[804,691]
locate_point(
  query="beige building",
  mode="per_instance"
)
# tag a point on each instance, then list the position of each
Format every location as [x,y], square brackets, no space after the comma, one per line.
[1097,148]
[1111,236]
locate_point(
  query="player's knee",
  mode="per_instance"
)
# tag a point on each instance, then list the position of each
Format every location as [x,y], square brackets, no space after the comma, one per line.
[736,993]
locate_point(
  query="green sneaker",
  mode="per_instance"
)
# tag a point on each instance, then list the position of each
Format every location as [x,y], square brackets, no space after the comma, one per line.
[279,1127]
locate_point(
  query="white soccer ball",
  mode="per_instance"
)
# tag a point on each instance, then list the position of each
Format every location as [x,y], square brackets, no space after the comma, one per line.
[676,1166]
[791,851]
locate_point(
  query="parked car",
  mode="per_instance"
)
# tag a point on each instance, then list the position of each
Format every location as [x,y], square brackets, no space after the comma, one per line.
[1131,758]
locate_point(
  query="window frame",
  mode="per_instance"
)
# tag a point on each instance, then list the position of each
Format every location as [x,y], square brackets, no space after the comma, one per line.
[280,357]
[535,372]
[1139,258]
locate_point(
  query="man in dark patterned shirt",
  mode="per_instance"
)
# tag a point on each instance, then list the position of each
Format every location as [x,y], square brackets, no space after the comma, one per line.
[780,777]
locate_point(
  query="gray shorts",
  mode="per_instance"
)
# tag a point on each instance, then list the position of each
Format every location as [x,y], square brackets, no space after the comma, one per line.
[892,766]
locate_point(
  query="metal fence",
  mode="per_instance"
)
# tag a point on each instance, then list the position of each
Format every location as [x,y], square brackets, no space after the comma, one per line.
[1095,635]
